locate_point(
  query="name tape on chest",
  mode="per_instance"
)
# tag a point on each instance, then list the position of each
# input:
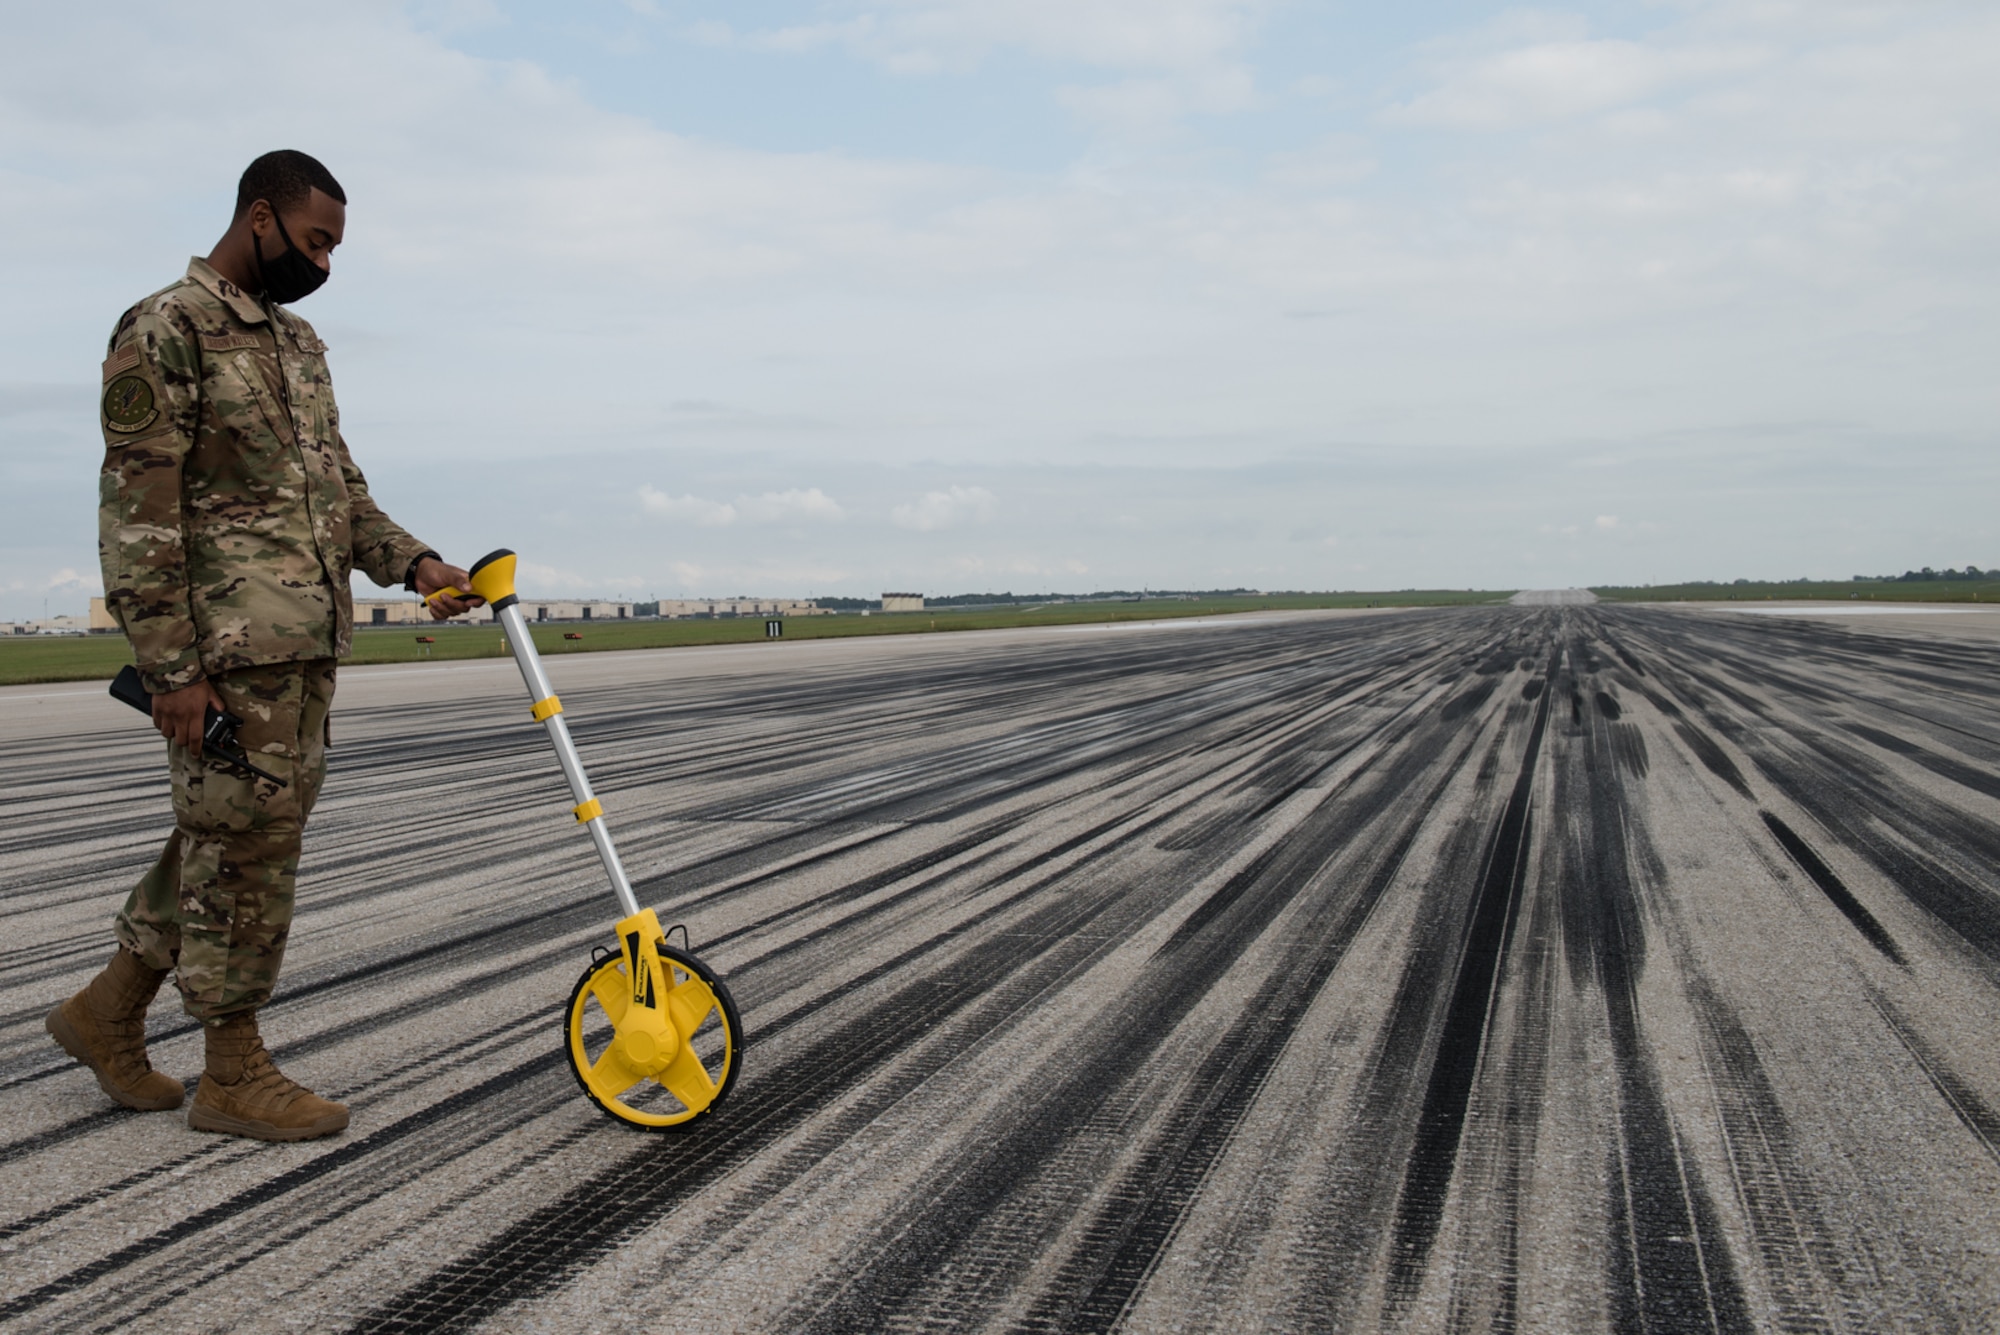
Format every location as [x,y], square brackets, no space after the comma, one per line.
[227,342]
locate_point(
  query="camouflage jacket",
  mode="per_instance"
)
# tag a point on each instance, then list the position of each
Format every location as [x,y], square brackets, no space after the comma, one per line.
[230,515]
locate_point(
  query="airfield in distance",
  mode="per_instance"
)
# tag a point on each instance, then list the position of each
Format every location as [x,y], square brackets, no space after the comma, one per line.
[1548,967]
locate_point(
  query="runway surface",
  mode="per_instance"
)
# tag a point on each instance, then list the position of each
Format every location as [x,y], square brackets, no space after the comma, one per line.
[1561,968]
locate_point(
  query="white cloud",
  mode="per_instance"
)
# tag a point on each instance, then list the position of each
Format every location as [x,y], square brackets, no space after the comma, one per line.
[1186,55]
[1550,80]
[691,509]
[922,36]
[540,579]
[1607,521]
[791,506]
[63,581]
[991,567]
[1151,104]
[951,508]
[755,578]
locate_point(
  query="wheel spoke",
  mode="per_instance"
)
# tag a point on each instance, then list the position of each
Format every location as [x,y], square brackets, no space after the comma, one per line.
[613,993]
[688,1005]
[610,1076]
[687,1079]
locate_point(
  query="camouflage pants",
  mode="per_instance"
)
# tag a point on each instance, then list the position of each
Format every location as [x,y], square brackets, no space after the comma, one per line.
[217,906]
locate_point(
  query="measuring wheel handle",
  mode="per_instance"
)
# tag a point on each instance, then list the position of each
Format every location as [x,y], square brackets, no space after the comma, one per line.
[651,1033]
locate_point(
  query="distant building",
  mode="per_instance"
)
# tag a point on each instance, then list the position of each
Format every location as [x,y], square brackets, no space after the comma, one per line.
[411,611]
[561,609]
[740,607]
[902,602]
[49,626]
[390,612]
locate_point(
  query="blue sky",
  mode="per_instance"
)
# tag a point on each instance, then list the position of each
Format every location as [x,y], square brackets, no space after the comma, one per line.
[684,298]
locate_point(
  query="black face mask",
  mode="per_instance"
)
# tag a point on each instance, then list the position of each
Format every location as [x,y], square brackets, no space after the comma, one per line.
[291,275]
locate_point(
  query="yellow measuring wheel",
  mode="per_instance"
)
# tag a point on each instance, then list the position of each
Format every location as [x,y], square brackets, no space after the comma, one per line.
[702,1016]
[651,1032]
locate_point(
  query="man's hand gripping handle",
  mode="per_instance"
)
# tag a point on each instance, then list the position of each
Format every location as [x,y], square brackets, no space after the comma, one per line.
[217,741]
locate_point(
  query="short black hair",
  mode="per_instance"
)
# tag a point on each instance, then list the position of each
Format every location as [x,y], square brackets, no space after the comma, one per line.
[285,179]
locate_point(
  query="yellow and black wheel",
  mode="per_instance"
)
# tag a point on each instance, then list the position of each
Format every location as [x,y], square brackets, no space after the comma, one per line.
[702,1073]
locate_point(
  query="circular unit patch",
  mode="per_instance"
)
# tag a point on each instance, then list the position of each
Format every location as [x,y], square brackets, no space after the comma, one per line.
[128,404]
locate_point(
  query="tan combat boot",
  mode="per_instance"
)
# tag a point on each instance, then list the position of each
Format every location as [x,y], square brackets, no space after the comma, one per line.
[243,1094]
[104,1027]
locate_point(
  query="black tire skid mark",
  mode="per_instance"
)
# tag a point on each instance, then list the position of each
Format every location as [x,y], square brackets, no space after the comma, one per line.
[1497,1161]
[1836,891]
[410,1162]
[1831,782]
[1332,749]
[99,1119]
[979,991]
[477,940]
[501,744]
[1966,776]
[477,1099]
[1143,1212]
[1142,821]
[1188,793]
[1898,823]
[1966,1103]
[508,934]
[942,1230]
[1461,1042]
[1957,696]
[1809,1279]
[69,1206]
[1802,668]
[1712,756]
[425,961]
[559,1094]
[1361,1194]
[1127,730]
[616,713]
[1669,1267]
[1813,1283]
[471,942]
[1925,670]
[828,1140]
[183,1275]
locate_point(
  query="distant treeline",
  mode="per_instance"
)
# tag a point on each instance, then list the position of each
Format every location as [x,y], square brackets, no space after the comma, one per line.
[1924,576]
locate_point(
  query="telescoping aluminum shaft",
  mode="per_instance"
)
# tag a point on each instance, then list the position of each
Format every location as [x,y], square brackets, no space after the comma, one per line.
[492,578]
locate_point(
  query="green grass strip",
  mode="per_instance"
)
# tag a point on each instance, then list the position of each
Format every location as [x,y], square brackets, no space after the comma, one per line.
[25,659]
[1879,591]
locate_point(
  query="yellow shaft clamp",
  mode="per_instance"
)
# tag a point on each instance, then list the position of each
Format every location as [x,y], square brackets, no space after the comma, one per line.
[543,709]
[590,810]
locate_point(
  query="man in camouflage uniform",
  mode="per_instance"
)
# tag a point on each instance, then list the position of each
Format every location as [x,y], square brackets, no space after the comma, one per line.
[230,518]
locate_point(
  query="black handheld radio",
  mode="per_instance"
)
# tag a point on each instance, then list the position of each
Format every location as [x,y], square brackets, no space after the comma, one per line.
[218,733]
